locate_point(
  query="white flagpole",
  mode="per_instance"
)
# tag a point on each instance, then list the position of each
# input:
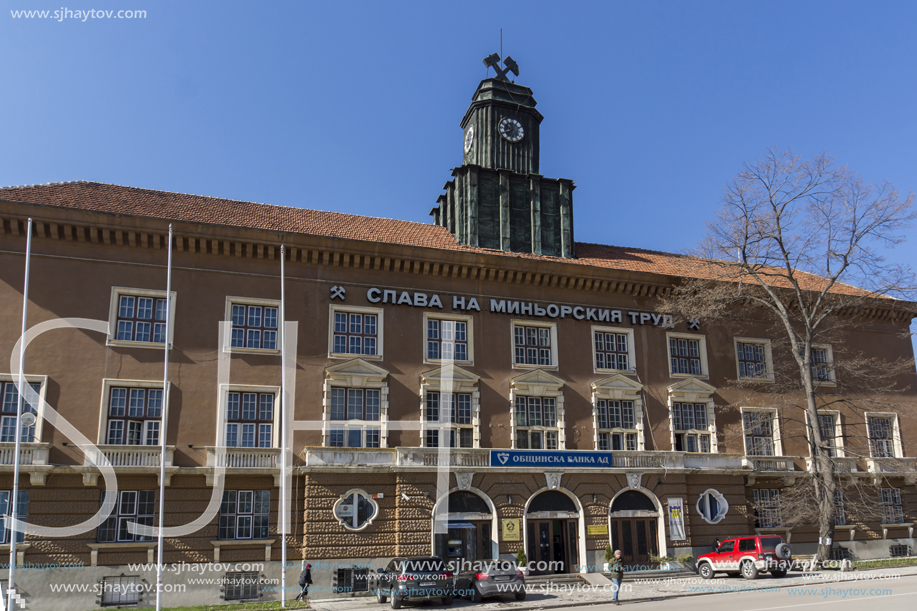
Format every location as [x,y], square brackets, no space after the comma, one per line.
[283,436]
[163,429]
[14,497]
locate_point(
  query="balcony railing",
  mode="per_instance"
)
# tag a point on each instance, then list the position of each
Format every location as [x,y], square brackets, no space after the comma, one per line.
[453,457]
[348,457]
[29,453]
[891,465]
[127,456]
[243,458]
[842,464]
[769,463]
[637,460]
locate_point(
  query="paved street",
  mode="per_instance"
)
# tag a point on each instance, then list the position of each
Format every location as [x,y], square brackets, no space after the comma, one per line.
[893,589]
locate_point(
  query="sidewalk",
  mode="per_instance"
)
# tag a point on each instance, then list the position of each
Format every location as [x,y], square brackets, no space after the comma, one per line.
[553,596]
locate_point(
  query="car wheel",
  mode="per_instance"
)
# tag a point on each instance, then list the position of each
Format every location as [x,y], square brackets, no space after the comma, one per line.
[396,602]
[749,570]
[779,573]
[447,600]
[475,594]
[520,594]
[380,596]
[705,570]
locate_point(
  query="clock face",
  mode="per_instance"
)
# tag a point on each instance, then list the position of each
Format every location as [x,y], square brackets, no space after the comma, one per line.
[469,138]
[511,129]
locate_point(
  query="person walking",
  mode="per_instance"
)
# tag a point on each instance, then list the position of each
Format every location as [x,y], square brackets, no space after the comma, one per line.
[617,575]
[305,580]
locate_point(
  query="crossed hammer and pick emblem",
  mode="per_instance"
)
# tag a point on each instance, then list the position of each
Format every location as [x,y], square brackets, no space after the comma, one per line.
[338,292]
[493,61]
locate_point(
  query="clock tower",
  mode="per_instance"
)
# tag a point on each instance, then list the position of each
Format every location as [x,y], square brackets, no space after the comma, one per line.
[497,198]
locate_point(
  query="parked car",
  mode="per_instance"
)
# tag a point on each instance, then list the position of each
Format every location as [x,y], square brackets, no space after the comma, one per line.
[419,578]
[748,556]
[491,578]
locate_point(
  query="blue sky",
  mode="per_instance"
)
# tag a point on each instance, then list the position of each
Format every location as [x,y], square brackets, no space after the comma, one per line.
[650,107]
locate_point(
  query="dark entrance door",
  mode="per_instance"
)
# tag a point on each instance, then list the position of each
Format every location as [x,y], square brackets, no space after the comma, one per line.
[465,542]
[636,538]
[552,546]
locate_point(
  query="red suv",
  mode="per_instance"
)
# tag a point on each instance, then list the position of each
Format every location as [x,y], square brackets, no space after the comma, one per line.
[748,556]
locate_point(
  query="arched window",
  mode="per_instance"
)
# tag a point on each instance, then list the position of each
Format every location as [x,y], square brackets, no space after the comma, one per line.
[355,510]
[552,500]
[632,501]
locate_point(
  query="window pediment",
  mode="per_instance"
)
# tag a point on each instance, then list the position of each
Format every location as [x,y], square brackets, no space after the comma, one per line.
[462,380]
[537,382]
[691,390]
[617,386]
[356,373]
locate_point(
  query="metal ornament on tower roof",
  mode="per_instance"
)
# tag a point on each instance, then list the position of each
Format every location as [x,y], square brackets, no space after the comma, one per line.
[509,65]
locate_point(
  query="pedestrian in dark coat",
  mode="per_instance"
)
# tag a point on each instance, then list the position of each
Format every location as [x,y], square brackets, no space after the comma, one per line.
[617,575]
[305,580]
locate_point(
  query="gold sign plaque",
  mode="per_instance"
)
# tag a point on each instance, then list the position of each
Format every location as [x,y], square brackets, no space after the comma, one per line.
[597,529]
[511,529]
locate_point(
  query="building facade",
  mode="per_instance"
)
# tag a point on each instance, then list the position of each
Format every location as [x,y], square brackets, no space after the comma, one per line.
[466,388]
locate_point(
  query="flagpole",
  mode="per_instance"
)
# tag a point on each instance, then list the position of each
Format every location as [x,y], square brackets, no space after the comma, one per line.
[163,430]
[14,497]
[283,436]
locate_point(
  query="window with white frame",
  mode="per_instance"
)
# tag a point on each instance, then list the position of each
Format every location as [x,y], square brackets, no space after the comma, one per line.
[616,425]
[453,422]
[356,332]
[138,316]
[536,423]
[759,433]
[6,510]
[892,508]
[355,509]
[120,590]
[689,421]
[30,403]
[712,506]
[613,349]
[881,429]
[352,412]
[250,419]
[255,324]
[828,428]
[822,364]
[687,355]
[245,514]
[767,508]
[754,359]
[134,416]
[131,507]
[448,339]
[241,585]
[534,344]
[840,513]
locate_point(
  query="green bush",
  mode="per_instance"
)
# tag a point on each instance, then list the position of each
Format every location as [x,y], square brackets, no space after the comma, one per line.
[521,560]
[609,553]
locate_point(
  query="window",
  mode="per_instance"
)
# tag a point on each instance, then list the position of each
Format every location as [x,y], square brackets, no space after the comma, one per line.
[137,506]
[689,421]
[30,404]
[727,547]
[448,339]
[354,406]
[240,586]
[138,316]
[892,509]
[254,323]
[881,430]
[822,364]
[6,510]
[712,506]
[840,515]
[134,416]
[767,508]
[754,359]
[616,425]
[249,420]
[355,509]
[244,514]
[535,419]
[356,331]
[613,349]
[534,345]
[759,433]
[121,590]
[687,355]
[459,414]
[747,545]
[827,428]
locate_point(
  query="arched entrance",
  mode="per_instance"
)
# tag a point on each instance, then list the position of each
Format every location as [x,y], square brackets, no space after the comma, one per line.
[634,527]
[470,529]
[552,533]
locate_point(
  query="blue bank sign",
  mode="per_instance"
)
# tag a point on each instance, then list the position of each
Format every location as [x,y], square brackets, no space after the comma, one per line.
[548,458]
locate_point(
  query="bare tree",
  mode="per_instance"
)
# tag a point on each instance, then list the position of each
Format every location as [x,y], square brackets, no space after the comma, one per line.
[799,243]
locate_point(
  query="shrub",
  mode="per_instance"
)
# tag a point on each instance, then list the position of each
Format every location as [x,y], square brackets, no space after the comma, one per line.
[521,560]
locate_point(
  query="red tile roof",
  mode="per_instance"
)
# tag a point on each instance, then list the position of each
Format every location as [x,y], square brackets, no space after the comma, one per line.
[132,201]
